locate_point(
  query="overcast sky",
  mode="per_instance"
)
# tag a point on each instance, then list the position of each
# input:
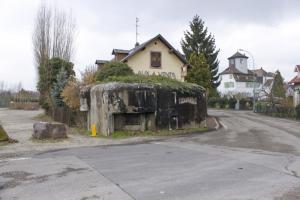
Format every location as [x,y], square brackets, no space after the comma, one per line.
[269,29]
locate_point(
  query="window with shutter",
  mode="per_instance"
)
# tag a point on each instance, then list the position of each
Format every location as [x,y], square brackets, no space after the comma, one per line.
[155,59]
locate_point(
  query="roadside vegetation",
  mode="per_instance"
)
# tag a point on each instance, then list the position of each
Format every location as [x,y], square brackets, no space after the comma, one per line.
[277,103]
[127,134]
[178,132]
[3,134]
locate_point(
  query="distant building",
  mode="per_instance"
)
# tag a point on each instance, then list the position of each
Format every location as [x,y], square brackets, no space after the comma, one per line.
[153,57]
[238,79]
[295,84]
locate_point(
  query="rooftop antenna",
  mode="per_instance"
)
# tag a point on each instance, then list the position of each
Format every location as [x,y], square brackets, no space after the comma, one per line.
[136,31]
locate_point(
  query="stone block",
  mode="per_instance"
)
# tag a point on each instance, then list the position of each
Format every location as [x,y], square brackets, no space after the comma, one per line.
[46,130]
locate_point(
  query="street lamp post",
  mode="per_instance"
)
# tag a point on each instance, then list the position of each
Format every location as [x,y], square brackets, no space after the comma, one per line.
[253,67]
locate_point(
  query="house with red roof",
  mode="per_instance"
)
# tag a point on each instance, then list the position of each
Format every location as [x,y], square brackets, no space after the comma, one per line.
[295,83]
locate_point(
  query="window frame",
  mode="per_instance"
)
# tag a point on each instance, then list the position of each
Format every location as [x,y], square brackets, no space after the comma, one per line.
[160,61]
[228,85]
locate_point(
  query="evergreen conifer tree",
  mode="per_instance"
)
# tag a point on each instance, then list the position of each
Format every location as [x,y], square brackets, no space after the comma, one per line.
[198,40]
[58,86]
[278,86]
[199,72]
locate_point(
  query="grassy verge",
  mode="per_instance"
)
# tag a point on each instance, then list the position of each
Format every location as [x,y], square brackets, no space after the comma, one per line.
[84,132]
[126,134]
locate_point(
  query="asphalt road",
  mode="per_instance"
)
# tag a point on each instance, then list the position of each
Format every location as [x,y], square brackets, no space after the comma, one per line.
[251,157]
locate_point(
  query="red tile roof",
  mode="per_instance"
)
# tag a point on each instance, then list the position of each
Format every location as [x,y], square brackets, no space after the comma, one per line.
[297,68]
[295,80]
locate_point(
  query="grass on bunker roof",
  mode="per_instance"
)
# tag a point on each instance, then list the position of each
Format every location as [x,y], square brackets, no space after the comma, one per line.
[154,80]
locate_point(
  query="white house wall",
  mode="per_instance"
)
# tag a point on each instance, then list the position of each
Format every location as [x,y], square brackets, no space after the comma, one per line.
[239,87]
[242,67]
[296,95]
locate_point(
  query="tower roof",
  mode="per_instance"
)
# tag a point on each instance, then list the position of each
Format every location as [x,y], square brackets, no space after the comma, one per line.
[237,55]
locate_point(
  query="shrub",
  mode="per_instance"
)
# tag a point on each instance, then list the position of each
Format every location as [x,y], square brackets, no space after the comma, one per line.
[275,110]
[212,102]
[297,110]
[88,76]
[71,94]
[222,102]
[232,102]
[113,69]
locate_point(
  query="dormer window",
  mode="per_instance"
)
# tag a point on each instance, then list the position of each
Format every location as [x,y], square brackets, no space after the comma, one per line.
[155,59]
[241,61]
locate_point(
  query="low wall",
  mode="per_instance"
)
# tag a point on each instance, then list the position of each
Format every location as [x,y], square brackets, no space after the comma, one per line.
[24,105]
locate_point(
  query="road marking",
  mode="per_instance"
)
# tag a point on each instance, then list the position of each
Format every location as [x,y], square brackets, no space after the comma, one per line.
[225,127]
[14,159]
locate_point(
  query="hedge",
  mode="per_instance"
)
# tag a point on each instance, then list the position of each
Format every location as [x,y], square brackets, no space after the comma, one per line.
[276,110]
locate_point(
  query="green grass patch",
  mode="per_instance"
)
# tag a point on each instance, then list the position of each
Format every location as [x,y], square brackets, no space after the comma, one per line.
[85,132]
[126,134]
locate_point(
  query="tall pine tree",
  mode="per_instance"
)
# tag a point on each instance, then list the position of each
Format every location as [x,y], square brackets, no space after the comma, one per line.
[198,40]
[199,72]
[278,86]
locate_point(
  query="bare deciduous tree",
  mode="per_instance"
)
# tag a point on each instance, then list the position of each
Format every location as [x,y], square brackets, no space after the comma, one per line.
[53,36]
[63,35]
[42,35]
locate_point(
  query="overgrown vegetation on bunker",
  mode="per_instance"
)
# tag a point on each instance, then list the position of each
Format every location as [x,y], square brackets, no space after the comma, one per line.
[122,73]
[155,81]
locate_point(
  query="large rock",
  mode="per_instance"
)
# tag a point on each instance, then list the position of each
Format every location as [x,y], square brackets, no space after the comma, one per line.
[46,130]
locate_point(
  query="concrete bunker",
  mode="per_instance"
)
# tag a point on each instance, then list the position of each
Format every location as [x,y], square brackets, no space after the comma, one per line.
[140,107]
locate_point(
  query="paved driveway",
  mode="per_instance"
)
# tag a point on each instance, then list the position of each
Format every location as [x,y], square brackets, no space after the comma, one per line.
[252,157]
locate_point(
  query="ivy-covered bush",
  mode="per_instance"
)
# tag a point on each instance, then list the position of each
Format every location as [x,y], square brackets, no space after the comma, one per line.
[113,69]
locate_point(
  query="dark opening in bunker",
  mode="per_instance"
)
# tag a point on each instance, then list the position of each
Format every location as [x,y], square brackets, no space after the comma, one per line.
[132,119]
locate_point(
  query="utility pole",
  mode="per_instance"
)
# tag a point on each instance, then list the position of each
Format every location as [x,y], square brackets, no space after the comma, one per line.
[136,31]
